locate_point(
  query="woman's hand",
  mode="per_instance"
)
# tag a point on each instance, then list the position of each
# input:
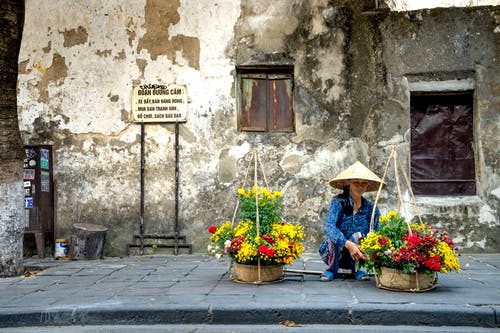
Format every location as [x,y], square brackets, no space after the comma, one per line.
[354,251]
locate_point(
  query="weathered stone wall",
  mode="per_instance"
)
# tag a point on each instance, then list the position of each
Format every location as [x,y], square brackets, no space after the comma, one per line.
[80,60]
[447,49]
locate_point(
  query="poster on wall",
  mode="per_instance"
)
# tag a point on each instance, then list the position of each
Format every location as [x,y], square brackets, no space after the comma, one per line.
[29,174]
[158,103]
[28,202]
[45,181]
[27,216]
[44,158]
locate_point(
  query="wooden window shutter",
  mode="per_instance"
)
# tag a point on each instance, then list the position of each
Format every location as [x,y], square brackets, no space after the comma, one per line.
[266,102]
[253,102]
[280,117]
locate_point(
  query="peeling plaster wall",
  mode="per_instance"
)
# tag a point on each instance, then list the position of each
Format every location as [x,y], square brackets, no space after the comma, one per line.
[79,61]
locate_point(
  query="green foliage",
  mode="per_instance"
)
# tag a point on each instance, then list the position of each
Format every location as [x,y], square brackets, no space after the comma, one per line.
[269,206]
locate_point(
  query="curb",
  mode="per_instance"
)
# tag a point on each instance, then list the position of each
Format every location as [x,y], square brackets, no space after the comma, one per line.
[358,314]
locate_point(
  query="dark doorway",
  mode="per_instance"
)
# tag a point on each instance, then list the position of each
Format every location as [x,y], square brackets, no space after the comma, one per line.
[442,155]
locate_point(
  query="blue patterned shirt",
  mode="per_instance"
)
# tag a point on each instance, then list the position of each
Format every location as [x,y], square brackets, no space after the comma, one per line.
[349,224]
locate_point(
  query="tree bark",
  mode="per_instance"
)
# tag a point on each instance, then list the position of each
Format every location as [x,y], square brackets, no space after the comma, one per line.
[11,146]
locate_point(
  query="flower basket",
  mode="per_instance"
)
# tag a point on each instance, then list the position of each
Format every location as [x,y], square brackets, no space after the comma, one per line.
[250,273]
[405,255]
[396,280]
[261,243]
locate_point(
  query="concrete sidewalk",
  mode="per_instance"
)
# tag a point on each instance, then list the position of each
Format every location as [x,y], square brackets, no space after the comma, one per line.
[195,289]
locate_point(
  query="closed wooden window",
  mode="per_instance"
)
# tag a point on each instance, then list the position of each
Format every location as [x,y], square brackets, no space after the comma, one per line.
[266,97]
[442,155]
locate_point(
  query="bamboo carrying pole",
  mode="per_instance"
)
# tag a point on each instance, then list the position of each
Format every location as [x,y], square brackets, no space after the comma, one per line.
[257,221]
[302,271]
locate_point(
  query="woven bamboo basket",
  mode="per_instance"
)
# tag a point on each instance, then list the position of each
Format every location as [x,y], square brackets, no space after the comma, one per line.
[396,280]
[393,279]
[250,273]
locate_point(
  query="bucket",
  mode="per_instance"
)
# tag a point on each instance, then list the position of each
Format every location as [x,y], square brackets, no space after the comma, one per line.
[61,251]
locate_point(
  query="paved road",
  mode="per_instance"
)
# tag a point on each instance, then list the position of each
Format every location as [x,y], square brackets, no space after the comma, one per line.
[195,290]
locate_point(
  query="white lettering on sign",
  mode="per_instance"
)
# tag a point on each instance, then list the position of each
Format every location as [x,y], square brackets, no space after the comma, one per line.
[159,103]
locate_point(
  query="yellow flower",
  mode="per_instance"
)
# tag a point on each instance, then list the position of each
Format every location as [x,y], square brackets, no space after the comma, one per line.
[226,227]
[370,242]
[242,228]
[392,214]
[246,253]
[288,231]
[418,226]
[241,191]
[281,247]
[297,249]
[449,258]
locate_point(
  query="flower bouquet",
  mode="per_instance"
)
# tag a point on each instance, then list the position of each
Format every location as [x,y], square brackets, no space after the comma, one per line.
[416,250]
[262,240]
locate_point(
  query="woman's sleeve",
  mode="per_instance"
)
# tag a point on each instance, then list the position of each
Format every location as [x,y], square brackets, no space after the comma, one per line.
[331,229]
[375,221]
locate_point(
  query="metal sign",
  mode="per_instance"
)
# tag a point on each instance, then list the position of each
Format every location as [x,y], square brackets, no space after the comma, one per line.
[157,103]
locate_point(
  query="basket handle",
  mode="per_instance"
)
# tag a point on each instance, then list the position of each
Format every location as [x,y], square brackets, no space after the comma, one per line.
[257,162]
[256,158]
[372,219]
[397,163]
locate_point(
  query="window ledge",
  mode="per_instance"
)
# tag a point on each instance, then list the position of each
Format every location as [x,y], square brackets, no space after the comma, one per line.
[447,201]
[447,85]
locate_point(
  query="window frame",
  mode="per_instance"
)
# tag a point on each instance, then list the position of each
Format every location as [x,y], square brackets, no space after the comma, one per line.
[270,114]
[452,189]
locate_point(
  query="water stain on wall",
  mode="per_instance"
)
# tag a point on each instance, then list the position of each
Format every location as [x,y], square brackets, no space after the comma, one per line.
[159,16]
[56,73]
[74,37]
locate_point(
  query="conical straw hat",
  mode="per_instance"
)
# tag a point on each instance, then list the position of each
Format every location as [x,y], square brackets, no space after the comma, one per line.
[357,171]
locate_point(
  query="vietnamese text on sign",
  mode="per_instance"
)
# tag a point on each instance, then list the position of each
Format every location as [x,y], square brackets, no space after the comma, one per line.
[159,103]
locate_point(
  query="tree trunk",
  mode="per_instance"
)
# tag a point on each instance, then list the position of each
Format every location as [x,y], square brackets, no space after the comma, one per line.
[11,146]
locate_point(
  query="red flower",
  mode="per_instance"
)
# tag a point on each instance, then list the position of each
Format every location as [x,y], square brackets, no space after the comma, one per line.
[236,244]
[413,240]
[433,263]
[446,239]
[268,239]
[383,241]
[212,229]
[266,251]
[262,249]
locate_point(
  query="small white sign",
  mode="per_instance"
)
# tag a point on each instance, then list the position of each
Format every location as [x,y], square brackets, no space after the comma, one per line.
[157,103]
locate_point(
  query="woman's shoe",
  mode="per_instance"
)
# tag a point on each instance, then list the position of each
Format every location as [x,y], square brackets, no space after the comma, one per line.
[361,276]
[326,276]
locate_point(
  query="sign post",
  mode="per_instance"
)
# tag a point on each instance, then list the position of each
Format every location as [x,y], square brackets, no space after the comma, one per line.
[157,103]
